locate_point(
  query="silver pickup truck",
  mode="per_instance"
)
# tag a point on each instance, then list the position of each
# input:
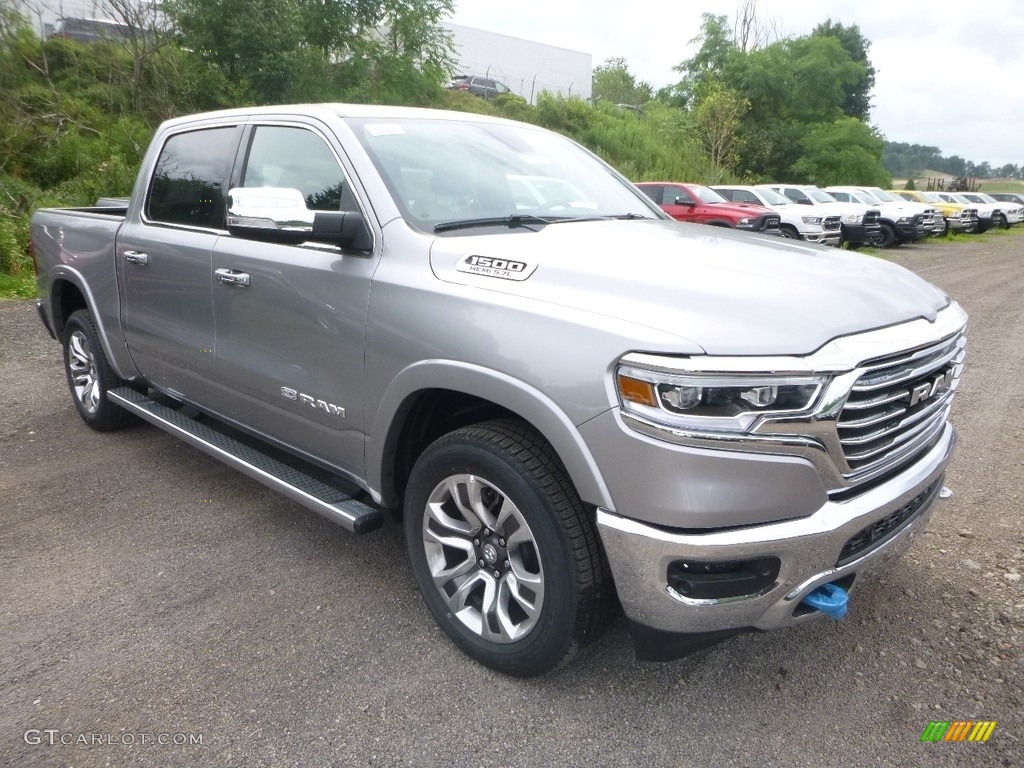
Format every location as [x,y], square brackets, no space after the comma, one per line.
[571,401]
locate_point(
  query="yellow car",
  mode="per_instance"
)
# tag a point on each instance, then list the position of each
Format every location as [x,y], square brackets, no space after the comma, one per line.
[960,218]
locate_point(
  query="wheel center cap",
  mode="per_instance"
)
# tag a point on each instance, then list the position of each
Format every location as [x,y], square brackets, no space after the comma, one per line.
[490,554]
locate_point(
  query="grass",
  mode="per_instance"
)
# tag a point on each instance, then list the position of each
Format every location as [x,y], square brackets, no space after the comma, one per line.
[17,286]
[1002,185]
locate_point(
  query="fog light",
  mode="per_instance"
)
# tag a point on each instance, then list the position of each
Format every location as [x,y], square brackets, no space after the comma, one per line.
[705,580]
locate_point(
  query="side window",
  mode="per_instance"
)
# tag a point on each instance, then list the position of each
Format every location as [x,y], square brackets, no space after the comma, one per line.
[743,196]
[282,156]
[843,197]
[795,195]
[728,194]
[188,181]
[677,196]
[654,192]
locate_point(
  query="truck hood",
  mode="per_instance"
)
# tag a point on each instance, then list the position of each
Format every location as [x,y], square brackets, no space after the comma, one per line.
[728,292]
[740,210]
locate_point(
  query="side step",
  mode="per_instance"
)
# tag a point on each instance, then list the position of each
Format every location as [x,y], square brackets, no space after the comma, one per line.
[335,504]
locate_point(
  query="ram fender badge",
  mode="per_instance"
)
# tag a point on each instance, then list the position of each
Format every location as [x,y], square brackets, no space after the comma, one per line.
[489,266]
[312,402]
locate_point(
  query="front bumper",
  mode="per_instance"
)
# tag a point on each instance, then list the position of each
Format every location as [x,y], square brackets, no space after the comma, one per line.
[813,550]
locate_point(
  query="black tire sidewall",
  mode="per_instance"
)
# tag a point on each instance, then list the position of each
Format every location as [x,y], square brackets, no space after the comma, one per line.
[549,641]
[107,415]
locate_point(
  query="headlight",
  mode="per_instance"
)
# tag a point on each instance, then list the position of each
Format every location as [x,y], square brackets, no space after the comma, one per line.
[955,214]
[704,402]
[811,219]
[903,220]
[745,223]
[853,218]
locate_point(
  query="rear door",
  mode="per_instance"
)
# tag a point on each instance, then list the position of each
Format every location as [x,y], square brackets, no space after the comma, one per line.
[164,253]
[290,333]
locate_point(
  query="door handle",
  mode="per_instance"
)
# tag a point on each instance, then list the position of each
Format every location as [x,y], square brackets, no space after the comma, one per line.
[135,257]
[231,277]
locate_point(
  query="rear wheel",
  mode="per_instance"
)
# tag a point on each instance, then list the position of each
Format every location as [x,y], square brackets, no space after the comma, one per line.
[503,550]
[90,376]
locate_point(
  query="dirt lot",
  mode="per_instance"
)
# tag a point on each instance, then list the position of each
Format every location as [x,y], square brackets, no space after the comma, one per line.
[147,594]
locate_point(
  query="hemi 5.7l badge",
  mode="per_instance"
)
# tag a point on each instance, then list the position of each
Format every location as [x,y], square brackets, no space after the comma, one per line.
[488,266]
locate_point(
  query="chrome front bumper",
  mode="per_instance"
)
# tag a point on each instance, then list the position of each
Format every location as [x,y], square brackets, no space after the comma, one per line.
[808,548]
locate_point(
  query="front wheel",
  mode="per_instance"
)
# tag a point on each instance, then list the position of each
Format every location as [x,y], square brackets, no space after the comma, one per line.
[789,231]
[90,376]
[503,550]
[1002,222]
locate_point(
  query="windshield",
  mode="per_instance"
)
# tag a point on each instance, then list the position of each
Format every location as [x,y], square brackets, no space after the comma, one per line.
[886,197]
[771,197]
[707,195]
[820,196]
[932,197]
[865,197]
[441,171]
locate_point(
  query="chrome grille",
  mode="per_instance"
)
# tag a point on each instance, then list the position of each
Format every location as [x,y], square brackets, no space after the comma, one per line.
[872,217]
[830,223]
[898,406]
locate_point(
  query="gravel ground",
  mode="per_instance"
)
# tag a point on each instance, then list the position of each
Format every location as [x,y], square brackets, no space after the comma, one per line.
[148,593]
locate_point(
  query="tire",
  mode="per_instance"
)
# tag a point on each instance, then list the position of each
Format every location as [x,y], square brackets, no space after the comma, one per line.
[789,231]
[887,237]
[1001,221]
[90,376]
[539,595]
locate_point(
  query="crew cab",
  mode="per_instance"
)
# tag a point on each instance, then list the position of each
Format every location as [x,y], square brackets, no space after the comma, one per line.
[958,218]
[859,223]
[570,408]
[900,222]
[795,222]
[698,204]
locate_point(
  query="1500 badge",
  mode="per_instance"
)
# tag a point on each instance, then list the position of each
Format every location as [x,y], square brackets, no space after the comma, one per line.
[506,269]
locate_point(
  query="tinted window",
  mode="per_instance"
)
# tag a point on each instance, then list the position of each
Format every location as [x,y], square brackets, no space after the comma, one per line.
[296,158]
[188,182]
[655,193]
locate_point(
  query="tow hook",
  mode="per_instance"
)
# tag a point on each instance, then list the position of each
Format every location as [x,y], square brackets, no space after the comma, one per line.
[830,599]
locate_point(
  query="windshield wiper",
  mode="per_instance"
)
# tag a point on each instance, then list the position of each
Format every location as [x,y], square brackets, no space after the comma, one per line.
[513,221]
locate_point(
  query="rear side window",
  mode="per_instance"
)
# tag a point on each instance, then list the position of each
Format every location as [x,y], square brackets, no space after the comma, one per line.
[188,182]
[655,193]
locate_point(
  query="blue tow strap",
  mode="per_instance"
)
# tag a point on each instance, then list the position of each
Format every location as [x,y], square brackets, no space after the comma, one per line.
[830,599]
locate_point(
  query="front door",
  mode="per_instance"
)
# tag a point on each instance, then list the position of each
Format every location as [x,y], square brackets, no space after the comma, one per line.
[291,330]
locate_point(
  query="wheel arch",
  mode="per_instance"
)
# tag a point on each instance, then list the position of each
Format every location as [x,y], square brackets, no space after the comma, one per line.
[69,292]
[416,409]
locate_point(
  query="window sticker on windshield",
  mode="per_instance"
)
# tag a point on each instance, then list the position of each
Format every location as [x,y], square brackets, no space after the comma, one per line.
[385,129]
[488,266]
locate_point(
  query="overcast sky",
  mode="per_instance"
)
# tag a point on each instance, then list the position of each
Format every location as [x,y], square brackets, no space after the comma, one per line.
[948,75]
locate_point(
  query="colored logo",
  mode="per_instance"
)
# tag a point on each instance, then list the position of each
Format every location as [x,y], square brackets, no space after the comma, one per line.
[959,730]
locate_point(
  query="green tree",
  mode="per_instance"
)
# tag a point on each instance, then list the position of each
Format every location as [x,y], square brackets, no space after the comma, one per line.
[615,84]
[716,120]
[857,93]
[708,64]
[846,151]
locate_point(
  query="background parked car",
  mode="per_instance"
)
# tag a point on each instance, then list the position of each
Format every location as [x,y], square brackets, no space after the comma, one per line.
[901,222]
[1012,213]
[959,218]
[797,223]
[859,223]
[484,87]
[1008,197]
[989,214]
[702,205]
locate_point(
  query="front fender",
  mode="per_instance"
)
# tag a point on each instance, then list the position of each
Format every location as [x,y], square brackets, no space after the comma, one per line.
[529,403]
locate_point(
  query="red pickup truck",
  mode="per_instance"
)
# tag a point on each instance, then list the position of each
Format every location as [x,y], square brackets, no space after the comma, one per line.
[702,205]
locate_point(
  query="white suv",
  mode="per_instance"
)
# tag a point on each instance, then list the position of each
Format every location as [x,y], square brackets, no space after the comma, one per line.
[859,224]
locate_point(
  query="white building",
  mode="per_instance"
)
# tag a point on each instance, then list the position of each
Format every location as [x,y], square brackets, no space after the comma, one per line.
[528,68]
